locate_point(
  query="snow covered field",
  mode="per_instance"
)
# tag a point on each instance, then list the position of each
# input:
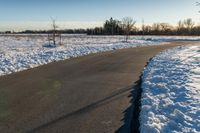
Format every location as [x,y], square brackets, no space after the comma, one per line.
[21,52]
[171,92]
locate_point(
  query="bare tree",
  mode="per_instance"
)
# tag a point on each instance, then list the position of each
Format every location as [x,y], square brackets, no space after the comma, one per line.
[180,25]
[147,29]
[197,3]
[143,27]
[55,34]
[127,25]
[166,28]
[54,29]
[189,24]
[156,28]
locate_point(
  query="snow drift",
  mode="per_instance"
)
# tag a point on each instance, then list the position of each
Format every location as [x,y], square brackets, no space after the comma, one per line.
[21,52]
[171,92]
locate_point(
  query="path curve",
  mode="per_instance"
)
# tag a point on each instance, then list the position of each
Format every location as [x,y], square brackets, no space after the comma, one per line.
[90,94]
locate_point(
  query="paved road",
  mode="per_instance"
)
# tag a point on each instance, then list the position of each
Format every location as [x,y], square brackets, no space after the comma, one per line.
[90,94]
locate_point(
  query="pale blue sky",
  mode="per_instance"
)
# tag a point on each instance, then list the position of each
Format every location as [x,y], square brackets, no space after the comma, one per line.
[31,14]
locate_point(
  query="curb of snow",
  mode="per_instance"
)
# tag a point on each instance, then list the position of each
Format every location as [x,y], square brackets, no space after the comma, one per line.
[170,86]
[135,121]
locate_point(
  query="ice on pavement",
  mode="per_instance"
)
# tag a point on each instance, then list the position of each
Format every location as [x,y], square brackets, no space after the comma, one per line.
[171,92]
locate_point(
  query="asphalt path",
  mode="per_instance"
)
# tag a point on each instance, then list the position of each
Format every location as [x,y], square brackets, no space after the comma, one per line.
[97,93]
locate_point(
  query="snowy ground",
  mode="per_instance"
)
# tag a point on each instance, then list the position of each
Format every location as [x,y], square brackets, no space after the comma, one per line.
[21,52]
[171,92]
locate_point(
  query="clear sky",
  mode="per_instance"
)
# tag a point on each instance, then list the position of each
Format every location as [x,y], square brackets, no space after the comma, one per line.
[36,14]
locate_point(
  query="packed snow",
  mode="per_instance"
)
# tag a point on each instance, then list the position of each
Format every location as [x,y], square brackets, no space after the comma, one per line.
[21,52]
[171,92]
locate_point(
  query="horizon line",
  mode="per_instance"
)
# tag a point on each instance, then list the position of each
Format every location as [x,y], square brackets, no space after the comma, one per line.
[19,26]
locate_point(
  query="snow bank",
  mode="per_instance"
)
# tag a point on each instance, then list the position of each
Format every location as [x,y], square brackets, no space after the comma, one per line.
[171,92]
[170,38]
[21,52]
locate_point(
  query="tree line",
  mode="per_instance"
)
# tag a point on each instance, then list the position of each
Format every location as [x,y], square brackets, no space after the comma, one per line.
[116,27]
[127,26]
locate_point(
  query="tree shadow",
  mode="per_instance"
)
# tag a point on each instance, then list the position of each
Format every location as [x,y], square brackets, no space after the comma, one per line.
[112,97]
[131,114]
